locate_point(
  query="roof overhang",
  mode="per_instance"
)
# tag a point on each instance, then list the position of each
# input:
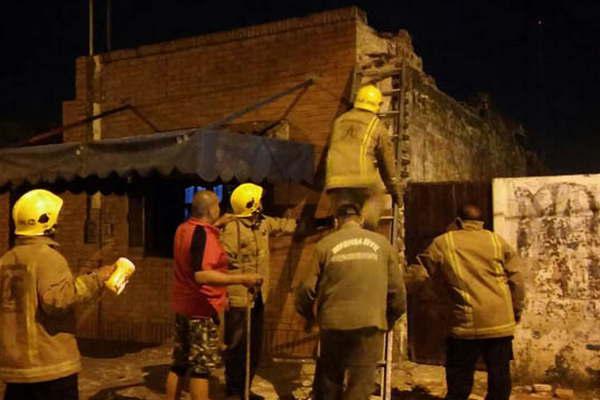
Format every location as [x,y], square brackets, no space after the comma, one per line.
[208,155]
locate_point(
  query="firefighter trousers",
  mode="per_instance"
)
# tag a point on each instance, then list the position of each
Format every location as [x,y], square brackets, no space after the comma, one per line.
[461,360]
[353,352]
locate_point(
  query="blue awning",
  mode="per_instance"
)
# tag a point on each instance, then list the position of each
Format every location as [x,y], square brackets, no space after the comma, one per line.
[211,155]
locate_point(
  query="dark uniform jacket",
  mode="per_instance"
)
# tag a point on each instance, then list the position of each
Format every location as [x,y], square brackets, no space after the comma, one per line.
[482,274]
[360,148]
[355,281]
[247,245]
[37,319]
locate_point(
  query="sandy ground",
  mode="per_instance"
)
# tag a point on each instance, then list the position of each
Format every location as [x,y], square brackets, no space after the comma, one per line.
[134,372]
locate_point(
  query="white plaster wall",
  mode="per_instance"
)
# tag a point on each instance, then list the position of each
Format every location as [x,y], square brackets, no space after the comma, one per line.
[554,223]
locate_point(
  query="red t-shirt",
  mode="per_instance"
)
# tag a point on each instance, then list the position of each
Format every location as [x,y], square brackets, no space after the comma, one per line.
[197,247]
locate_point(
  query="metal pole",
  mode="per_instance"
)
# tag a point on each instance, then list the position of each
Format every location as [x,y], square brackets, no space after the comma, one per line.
[257,105]
[91,27]
[249,301]
[108,25]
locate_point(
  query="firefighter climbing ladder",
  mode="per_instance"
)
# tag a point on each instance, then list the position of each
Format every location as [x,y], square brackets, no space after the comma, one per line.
[397,113]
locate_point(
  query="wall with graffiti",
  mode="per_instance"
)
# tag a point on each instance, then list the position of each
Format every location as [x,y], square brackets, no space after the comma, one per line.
[554,222]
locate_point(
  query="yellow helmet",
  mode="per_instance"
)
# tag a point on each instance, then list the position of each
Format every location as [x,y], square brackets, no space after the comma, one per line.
[36,212]
[245,199]
[368,98]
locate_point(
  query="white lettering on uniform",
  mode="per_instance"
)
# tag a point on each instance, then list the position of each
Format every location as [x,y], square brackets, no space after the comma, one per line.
[361,241]
[353,257]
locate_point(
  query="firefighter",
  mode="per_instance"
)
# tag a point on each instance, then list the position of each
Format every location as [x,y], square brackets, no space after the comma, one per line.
[481,273]
[357,284]
[39,358]
[360,159]
[246,241]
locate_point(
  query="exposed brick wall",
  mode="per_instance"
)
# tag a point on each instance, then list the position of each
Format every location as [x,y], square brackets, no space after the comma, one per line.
[189,83]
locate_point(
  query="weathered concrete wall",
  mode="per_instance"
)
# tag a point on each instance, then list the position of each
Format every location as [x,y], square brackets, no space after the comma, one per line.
[554,223]
[449,141]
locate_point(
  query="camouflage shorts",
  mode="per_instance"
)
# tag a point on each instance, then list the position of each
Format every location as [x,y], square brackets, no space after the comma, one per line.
[197,346]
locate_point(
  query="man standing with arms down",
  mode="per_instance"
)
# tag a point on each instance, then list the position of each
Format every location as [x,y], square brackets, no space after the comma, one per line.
[358,288]
[199,295]
[361,159]
[39,358]
[246,240]
[486,292]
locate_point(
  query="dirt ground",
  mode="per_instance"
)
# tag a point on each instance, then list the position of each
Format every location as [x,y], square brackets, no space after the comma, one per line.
[136,372]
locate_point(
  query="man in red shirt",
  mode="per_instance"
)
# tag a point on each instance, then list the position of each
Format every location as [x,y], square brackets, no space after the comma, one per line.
[199,295]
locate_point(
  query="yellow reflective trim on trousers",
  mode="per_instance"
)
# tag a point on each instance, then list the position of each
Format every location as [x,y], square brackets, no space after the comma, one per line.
[455,265]
[365,144]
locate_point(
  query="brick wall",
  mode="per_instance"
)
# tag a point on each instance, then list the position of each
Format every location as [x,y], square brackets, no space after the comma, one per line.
[453,142]
[189,83]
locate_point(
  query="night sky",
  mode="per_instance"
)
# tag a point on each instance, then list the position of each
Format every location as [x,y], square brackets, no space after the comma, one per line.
[539,60]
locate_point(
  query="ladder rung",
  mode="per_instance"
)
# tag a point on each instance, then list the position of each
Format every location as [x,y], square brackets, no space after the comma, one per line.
[391,92]
[387,218]
[403,137]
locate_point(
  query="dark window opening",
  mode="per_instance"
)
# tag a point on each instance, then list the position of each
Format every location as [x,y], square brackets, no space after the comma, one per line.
[157,208]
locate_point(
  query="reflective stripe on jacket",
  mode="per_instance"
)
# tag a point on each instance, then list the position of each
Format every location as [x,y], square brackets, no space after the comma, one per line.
[37,319]
[485,285]
[247,245]
[360,148]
